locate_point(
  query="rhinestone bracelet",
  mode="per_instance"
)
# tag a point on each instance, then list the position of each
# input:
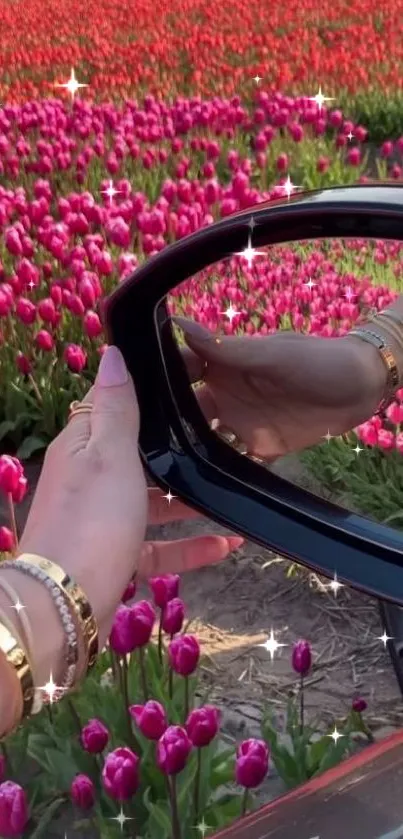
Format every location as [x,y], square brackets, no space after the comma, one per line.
[71,657]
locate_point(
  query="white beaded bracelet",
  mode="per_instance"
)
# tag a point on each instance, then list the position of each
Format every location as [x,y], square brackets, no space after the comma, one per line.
[71,656]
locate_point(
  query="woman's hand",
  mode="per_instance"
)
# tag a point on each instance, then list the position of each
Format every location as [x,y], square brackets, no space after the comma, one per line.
[90,509]
[284,392]
[182,554]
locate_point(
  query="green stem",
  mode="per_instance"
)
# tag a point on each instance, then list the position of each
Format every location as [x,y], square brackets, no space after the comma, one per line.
[115,667]
[143,674]
[160,635]
[126,701]
[6,756]
[171,683]
[301,705]
[74,714]
[13,522]
[245,802]
[186,697]
[176,828]
[197,785]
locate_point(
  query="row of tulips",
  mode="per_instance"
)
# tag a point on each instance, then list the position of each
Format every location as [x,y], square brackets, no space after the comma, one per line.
[168,734]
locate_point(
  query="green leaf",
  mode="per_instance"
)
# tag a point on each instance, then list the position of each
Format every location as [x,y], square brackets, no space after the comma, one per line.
[46,818]
[62,767]
[316,752]
[29,446]
[160,815]
[5,427]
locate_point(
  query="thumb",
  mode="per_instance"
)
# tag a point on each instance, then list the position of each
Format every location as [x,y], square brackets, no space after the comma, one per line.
[243,353]
[115,411]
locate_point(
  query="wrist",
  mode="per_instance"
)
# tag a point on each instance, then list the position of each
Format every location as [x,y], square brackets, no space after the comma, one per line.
[371,376]
[46,657]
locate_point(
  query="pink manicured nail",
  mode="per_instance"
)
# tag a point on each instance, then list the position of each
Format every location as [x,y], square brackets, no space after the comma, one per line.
[112,369]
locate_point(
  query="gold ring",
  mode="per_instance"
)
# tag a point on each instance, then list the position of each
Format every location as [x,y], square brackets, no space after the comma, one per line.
[228,436]
[79,408]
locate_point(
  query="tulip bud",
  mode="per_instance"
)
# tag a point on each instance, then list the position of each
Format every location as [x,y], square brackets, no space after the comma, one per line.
[7,544]
[75,358]
[202,725]
[164,588]
[359,704]
[129,591]
[132,627]
[10,473]
[173,616]
[302,657]
[94,736]
[120,774]
[252,763]
[184,654]
[173,750]
[150,719]
[13,809]
[82,792]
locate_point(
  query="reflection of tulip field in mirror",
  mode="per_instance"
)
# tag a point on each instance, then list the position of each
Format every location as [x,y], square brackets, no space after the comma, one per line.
[322,288]
[196,124]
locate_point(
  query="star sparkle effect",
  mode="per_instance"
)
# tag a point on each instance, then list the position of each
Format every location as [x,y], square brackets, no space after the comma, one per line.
[310,284]
[272,645]
[121,819]
[51,690]
[335,735]
[203,828]
[289,188]
[358,449]
[111,192]
[257,79]
[385,638]
[250,253]
[335,586]
[230,313]
[320,99]
[169,497]
[72,86]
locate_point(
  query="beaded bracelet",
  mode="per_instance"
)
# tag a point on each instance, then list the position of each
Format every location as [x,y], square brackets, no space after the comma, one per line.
[71,654]
[61,584]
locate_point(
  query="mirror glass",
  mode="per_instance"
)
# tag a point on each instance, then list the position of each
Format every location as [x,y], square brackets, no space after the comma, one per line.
[285,375]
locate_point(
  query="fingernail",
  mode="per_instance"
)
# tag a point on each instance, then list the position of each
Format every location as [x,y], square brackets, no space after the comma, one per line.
[193,329]
[112,369]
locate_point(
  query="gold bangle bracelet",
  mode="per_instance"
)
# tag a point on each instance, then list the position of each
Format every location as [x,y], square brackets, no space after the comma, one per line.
[388,359]
[390,326]
[76,598]
[18,659]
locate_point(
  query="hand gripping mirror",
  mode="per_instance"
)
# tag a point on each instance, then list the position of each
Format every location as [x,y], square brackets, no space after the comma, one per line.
[177,444]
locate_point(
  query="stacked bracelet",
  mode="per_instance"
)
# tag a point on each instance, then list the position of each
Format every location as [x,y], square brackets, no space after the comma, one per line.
[372,337]
[68,597]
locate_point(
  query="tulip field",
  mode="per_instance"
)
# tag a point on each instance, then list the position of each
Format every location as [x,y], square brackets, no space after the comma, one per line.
[126,125]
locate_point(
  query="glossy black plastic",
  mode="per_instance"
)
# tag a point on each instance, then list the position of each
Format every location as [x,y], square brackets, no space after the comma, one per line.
[177,446]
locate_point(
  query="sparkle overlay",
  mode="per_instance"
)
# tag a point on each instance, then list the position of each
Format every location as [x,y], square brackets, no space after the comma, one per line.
[272,645]
[72,86]
[110,192]
[320,99]
[385,638]
[121,819]
[169,497]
